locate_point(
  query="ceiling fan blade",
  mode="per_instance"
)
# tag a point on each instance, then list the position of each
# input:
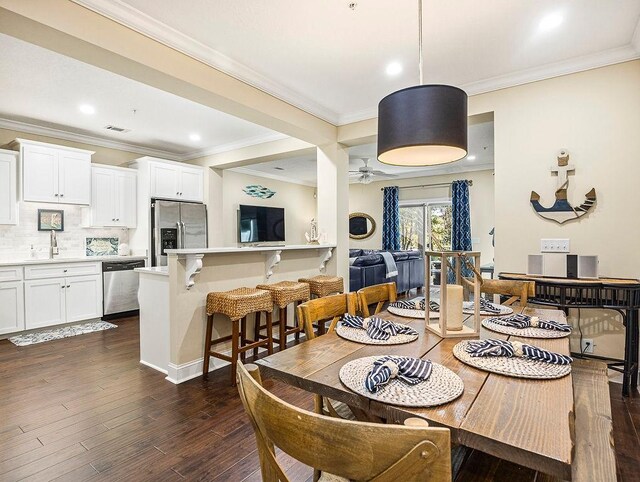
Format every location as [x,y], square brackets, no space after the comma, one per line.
[382,173]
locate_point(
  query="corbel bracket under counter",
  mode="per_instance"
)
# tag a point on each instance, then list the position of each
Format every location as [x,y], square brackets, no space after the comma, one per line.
[193,265]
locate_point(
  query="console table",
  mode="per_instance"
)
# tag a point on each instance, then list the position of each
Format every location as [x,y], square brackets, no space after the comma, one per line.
[621,295]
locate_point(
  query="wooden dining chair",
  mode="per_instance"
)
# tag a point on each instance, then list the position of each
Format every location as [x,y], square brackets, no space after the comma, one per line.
[321,310]
[379,294]
[340,448]
[517,290]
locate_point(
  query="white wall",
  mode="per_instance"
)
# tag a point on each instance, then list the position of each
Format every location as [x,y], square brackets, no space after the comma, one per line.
[367,198]
[595,115]
[297,200]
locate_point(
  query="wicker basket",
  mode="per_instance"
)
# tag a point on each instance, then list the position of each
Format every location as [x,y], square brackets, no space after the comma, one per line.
[239,303]
[324,285]
[286,292]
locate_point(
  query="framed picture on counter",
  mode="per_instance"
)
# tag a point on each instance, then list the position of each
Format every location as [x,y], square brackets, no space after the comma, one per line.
[50,219]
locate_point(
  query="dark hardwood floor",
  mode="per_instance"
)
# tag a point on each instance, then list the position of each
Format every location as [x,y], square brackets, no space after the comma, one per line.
[84,408]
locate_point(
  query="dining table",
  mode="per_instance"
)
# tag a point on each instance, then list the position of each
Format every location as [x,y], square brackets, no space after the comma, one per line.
[525,421]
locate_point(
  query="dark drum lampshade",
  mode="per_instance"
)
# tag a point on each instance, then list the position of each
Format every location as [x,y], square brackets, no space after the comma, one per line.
[423,125]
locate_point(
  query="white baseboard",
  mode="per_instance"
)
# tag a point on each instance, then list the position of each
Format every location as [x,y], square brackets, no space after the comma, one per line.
[151,365]
[181,373]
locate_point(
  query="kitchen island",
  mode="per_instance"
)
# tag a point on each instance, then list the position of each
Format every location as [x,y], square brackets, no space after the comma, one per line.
[172,299]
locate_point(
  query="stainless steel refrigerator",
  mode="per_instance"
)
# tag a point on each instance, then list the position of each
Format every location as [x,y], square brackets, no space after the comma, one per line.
[176,225]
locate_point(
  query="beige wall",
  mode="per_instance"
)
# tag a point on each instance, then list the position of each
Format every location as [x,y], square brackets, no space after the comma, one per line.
[595,115]
[103,155]
[298,201]
[368,199]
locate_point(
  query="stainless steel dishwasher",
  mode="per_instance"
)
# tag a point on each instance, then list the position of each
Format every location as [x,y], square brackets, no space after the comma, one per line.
[120,288]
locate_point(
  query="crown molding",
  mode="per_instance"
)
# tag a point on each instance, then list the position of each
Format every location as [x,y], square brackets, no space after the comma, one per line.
[635,40]
[232,146]
[268,175]
[84,139]
[134,19]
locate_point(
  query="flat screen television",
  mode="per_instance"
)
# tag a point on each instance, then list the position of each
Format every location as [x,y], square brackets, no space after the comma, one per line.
[260,224]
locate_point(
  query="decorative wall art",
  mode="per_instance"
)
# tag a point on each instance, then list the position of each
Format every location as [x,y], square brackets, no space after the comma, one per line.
[101,246]
[361,226]
[50,219]
[562,211]
[256,190]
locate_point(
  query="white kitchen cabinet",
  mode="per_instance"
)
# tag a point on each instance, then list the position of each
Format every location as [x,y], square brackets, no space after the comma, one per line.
[54,174]
[11,307]
[8,186]
[44,302]
[113,197]
[54,301]
[173,181]
[83,298]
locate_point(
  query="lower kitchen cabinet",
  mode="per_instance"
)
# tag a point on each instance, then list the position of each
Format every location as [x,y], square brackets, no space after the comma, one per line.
[55,301]
[11,307]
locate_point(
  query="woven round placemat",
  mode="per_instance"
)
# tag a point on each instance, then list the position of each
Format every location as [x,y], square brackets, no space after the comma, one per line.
[531,332]
[511,366]
[441,387]
[405,313]
[467,309]
[361,336]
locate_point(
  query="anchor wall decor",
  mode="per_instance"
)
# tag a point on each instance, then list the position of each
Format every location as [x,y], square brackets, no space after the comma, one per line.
[562,211]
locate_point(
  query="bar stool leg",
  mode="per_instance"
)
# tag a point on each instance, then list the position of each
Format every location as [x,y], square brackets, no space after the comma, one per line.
[235,345]
[243,337]
[256,332]
[269,333]
[207,347]
[283,328]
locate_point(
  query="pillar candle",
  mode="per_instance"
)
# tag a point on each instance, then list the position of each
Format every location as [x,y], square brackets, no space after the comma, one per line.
[454,307]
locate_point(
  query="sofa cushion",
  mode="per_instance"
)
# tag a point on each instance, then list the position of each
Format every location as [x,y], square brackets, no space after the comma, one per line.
[399,255]
[353,253]
[368,260]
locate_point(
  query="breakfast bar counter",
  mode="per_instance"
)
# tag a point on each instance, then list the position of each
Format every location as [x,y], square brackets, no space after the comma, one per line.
[172,300]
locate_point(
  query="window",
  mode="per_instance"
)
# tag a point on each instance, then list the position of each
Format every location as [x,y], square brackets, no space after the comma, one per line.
[426,220]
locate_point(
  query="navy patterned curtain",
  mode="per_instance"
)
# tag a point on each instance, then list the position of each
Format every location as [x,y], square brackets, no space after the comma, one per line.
[391,218]
[460,216]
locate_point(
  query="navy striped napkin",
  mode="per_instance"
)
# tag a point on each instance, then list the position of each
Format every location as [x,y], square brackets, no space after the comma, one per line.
[416,304]
[410,370]
[377,328]
[524,321]
[492,347]
[488,307]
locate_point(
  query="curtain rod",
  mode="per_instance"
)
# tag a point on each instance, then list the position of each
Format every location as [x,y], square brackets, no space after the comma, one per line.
[438,184]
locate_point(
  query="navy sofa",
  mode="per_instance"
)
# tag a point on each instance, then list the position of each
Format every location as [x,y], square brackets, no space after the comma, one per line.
[368,269]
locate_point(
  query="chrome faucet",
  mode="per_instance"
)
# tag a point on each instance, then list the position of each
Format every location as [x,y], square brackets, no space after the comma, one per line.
[53,245]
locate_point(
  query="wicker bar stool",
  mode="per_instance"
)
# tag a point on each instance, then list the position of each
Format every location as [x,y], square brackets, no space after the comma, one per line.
[283,294]
[237,304]
[324,285]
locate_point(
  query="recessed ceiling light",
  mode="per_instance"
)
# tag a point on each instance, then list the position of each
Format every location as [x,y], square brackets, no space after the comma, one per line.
[194,137]
[87,109]
[550,21]
[394,68]
[471,158]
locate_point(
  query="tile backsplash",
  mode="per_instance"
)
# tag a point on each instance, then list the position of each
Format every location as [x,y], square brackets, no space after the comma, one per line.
[16,240]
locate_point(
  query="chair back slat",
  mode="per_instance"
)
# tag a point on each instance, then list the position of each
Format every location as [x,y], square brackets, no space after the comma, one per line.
[380,294]
[355,450]
[326,308]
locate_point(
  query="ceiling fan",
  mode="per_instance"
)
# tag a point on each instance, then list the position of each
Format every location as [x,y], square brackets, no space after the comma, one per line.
[366,173]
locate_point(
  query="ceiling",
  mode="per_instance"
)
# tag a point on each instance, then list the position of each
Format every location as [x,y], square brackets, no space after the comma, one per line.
[330,60]
[302,170]
[42,92]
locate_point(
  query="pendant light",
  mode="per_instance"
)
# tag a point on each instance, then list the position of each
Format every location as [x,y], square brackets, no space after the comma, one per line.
[423,125]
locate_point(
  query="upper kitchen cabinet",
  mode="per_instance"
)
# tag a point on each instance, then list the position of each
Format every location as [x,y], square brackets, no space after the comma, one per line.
[113,197]
[8,187]
[54,174]
[171,180]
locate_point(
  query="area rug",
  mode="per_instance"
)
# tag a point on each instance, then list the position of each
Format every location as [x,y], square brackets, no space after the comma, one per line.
[58,333]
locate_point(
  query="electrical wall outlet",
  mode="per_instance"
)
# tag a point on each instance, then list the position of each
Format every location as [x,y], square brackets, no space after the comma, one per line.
[587,345]
[554,245]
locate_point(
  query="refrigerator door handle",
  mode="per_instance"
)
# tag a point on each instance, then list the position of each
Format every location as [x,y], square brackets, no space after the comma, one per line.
[179,240]
[184,231]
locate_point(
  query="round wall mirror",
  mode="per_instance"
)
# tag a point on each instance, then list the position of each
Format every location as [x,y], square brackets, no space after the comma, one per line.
[361,226]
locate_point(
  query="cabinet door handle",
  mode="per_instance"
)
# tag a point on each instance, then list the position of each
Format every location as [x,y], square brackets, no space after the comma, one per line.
[68,286]
[56,195]
[181,194]
[177,194]
[61,195]
[64,271]
[63,287]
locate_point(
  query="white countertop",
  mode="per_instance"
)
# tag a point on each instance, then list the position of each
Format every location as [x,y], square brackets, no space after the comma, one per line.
[157,270]
[247,249]
[81,259]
